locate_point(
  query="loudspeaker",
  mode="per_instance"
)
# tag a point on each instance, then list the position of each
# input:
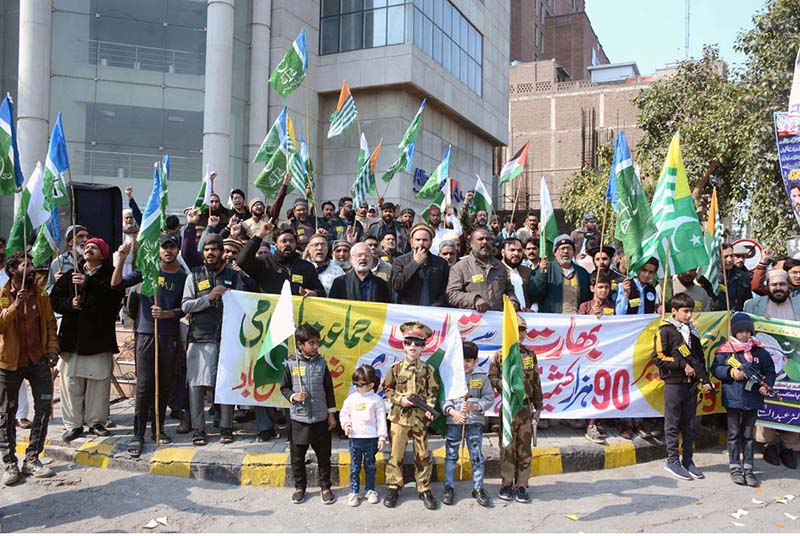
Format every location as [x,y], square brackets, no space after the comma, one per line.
[98,207]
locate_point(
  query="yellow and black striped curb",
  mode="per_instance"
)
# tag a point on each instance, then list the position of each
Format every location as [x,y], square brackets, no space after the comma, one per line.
[273,469]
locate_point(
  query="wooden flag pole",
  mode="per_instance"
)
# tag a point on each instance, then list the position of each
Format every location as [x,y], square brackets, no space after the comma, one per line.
[157,386]
[603,226]
[516,198]
[309,184]
[72,224]
[664,286]
[727,296]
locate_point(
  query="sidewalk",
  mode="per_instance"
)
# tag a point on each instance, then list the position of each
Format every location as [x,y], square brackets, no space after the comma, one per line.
[245,462]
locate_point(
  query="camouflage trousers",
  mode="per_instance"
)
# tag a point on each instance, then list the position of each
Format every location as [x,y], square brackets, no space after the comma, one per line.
[423,464]
[515,459]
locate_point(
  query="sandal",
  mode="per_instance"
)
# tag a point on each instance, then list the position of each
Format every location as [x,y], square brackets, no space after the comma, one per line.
[135,447]
[164,439]
[226,436]
[199,439]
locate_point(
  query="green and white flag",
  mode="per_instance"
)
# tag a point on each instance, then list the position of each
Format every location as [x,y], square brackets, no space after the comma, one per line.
[436,181]
[512,373]
[203,199]
[407,145]
[675,217]
[46,245]
[55,169]
[31,213]
[10,173]
[549,226]
[515,166]
[714,237]
[153,222]
[448,366]
[291,71]
[274,351]
[345,113]
[481,199]
[365,181]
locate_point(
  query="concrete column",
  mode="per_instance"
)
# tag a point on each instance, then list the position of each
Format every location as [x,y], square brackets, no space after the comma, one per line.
[217,103]
[260,35]
[33,91]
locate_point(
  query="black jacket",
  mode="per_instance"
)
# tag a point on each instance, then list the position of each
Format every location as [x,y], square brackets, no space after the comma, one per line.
[347,287]
[671,354]
[407,278]
[269,274]
[92,330]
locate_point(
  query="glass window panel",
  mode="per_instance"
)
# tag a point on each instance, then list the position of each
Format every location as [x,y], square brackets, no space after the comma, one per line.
[446,53]
[464,70]
[369,4]
[428,9]
[419,3]
[447,18]
[456,26]
[396,21]
[438,8]
[473,42]
[464,33]
[350,37]
[141,10]
[349,6]
[479,55]
[455,62]
[330,7]
[471,73]
[186,13]
[375,28]
[427,36]
[437,45]
[185,51]
[330,36]
[418,28]
[396,2]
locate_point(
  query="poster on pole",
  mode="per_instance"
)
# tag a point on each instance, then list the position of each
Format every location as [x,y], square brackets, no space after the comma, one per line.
[787,136]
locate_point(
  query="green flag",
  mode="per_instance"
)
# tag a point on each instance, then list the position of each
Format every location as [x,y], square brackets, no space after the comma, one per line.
[153,222]
[515,166]
[714,239]
[274,350]
[345,113]
[549,226]
[407,144]
[10,172]
[291,71]
[270,179]
[481,199]
[675,217]
[513,389]
[203,199]
[437,178]
[31,213]
[448,365]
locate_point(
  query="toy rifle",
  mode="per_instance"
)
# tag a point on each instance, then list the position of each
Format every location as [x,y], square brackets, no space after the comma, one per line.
[700,373]
[754,377]
[419,402]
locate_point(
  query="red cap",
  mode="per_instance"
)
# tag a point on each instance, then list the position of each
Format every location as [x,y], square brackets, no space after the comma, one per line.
[101,245]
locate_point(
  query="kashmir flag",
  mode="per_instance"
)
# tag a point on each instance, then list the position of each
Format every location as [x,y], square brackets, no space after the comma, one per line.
[448,366]
[305,158]
[406,147]
[291,71]
[713,242]
[515,166]
[437,179]
[272,140]
[513,391]
[634,218]
[10,173]
[675,217]
[153,222]
[270,179]
[297,167]
[365,181]
[203,199]
[31,213]
[274,351]
[549,227]
[48,242]
[55,166]
[481,200]
[345,113]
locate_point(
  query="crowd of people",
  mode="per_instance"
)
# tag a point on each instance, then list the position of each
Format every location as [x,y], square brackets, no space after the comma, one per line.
[463,259]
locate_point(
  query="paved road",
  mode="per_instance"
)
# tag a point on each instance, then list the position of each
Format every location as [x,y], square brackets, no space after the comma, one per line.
[640,498]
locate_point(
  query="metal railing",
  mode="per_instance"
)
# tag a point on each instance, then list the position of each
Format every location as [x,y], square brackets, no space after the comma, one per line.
[138,165]
[140,58]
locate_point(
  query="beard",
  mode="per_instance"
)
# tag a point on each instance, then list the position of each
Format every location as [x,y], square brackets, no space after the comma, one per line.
[363,270]
[513,263]
[778,296]
[344,265]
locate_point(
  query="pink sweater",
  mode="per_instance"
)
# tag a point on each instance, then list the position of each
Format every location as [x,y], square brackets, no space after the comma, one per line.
[366,414]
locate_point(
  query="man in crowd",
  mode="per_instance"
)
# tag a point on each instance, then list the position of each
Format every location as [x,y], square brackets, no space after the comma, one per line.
[215,208]
[88,339]
[561,285]
[28,350]
[792,267]
[327,270]
[519,275]
[347,222]
[698,288]
[478,281]
[360,284]
[419,277]
[530,228]
[171,281]
[388,244]
[202,301]
[300,222]
[380,267]
[253,224]
[442,228]
[388,223]
[478,220]
[448,250]
[588,230]
[508,230]
[639,296]
[341,255]
[602,257]
[76,235]
[407,216]
[737,281]
[531,249]
[237,202]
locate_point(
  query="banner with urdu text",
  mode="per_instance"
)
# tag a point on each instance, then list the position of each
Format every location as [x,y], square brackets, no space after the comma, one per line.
[589,367]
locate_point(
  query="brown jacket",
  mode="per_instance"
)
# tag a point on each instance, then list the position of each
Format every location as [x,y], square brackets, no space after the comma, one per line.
[470,280]
[530,367]
[9,337]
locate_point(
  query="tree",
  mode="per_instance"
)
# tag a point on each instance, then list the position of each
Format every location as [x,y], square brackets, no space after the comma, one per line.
[585,192]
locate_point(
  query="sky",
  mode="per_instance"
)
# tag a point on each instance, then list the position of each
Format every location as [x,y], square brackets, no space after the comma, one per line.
[652,32]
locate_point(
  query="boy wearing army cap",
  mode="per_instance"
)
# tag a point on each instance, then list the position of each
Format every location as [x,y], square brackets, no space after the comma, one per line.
[404,379]
[515,459]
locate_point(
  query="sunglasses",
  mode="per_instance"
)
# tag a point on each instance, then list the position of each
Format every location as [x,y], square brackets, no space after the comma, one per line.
[414,342]
[359,384]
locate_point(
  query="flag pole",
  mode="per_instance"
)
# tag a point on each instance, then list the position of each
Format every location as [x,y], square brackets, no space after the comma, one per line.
[463,437]
[603,227]
[516,198]
[727,296]
[155,336]
[309,184]
[72,223]
[664,285]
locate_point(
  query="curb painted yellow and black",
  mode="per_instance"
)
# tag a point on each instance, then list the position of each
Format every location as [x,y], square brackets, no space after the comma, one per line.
[271,469]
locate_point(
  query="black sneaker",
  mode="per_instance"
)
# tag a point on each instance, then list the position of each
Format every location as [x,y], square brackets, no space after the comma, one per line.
[71,435]
[298,496]
[390,500]
[428,499]
[693,470]
[506,493]
[750,479]
[482,497]
[265,435]
[99,430]
[521,495]
[771,455]
[676,469]
[328,497]
[447,496]
[738,477]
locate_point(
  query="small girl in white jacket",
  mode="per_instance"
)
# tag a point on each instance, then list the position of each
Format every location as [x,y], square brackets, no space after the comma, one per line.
[363,418]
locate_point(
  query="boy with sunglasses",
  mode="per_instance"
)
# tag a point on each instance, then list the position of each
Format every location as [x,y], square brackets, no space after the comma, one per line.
[404,379]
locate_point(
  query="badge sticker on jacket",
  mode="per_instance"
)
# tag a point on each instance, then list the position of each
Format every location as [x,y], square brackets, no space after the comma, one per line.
[684,350]
[301,232]
[203,285]
[573,282]
[360,406]
[476,383]
[527,363]
[297,278]
[608,311]
[636,302]
[477,278]
[339,229]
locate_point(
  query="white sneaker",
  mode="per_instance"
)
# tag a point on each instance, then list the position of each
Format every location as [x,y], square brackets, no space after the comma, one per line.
[372,497]
[353,499]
